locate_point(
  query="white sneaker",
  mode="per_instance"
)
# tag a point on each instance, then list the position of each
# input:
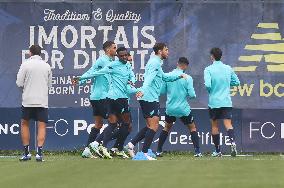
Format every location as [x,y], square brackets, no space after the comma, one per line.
[198,155]
[149,158]
[87,153]
[129,148]
[39,158]
[122,154]
[26,157]
[105,153]
[216,154]
[95,147]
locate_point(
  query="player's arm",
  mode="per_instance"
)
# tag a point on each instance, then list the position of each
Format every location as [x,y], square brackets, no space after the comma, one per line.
[103,71]
[207,80]
[170,77]
[21,76]
[89,74]
[82,79]
[190,89]
[234,79]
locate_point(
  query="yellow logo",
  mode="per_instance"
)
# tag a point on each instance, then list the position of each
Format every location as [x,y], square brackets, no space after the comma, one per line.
[272,52]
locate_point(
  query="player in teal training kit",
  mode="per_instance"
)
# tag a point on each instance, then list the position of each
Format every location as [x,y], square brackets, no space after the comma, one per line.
[178,107]
[218,79]
[98,94]
[148,96]
[130,91]
[120,73]
[116,133]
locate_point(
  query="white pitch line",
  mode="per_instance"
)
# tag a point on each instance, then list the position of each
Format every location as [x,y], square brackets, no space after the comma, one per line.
[8,156]
[238,156]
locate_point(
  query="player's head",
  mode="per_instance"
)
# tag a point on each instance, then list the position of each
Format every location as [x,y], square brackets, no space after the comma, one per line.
[216,54]
[183,63]
[35,50]
[161,50]
[122,54]
[110,48]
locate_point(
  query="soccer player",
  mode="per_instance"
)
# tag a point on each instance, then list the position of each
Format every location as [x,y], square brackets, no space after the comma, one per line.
[98,94]
[118,109]
[129,90]
[148,96]
[178,107]
[117,132]
[219,78]
[34,78]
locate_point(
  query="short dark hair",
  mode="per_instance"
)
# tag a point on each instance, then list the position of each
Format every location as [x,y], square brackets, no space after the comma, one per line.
[183,60]
[107,44]
[120,49]
[159,46]
[216,53]
[35,49]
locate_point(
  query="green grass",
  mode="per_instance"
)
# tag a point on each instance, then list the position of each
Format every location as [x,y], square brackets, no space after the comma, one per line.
[173,171]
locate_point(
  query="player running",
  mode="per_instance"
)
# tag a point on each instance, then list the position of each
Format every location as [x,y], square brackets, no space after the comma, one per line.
[178,107]
[130,91]
[148,96]
[98,94]
[219,78]
[120,74]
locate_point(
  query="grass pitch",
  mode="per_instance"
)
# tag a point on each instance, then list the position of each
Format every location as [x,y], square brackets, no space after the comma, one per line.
[170,171]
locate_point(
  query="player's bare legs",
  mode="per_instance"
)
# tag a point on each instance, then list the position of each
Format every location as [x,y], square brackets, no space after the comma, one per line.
[41,133]
[25,132]
[25,135]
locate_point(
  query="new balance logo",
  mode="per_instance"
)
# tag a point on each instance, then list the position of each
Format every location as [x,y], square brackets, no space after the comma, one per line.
[266,50]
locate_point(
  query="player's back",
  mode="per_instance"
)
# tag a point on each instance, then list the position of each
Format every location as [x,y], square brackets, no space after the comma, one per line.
[177,94]
[36,83]
[217,81]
